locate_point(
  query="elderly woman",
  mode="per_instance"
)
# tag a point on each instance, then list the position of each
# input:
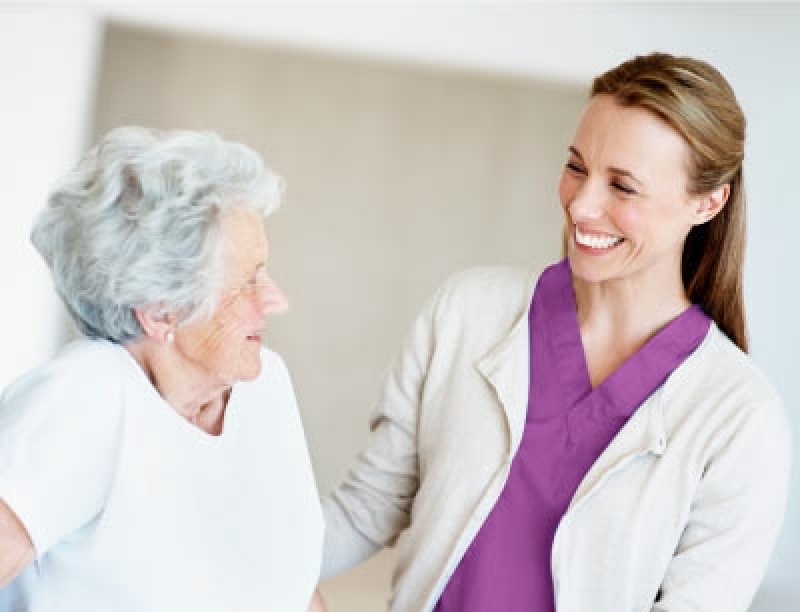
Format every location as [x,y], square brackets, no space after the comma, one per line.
[159,463]
[591,436]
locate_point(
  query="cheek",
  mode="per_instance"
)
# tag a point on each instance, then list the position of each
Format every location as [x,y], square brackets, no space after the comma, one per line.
[219,341]
[251,314]
[565,190]
[629,220]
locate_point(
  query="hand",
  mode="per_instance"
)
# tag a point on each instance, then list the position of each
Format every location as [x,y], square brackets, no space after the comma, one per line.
[16,548]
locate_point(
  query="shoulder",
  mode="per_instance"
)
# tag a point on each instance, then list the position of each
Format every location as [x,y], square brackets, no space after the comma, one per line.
[727,392]
[488,282]
[60,427]
[82,379]
[485,292]
[78,362]
[470,313]
[273,368]
[726,371]
[273,401]
[273,384]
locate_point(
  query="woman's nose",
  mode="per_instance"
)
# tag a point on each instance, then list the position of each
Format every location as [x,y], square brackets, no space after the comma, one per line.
[273,299]
[587,203]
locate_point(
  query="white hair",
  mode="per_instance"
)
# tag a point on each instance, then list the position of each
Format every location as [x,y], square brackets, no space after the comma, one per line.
[136,226]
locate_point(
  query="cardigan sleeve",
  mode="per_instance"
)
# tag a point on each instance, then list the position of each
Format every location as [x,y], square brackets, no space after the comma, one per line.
[373,504]
[734,520]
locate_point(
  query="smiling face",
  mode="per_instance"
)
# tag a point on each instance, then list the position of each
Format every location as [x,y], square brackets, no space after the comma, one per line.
[624,194]
[226,347]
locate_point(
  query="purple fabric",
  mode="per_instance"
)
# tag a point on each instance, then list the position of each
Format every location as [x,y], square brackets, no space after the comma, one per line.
[568,425]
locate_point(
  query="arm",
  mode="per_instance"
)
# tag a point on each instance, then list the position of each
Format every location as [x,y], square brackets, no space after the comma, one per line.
[58,440]
[16,548]
[734,521]
[373,505]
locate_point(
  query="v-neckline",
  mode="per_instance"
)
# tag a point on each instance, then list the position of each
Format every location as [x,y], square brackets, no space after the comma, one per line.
[178,422]
[634,379]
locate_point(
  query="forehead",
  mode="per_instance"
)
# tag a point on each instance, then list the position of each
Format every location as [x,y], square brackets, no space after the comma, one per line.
[629,137]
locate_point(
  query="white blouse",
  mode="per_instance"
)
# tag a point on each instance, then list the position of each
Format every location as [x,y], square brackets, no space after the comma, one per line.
[133,509]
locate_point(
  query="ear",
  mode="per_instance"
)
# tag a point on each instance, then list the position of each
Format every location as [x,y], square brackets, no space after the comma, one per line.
[708,205]
[158,326]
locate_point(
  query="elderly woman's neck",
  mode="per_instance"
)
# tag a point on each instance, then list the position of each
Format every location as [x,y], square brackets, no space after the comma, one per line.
[189,392]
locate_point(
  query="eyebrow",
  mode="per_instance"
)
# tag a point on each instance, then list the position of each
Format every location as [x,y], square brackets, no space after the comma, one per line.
[612,169]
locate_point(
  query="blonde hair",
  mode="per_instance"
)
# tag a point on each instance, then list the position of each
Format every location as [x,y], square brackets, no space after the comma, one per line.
[696,100]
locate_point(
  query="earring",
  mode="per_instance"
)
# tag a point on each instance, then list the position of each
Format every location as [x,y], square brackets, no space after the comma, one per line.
[169,337]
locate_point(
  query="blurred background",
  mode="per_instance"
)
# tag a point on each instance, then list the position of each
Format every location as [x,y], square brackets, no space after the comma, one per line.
[415,139]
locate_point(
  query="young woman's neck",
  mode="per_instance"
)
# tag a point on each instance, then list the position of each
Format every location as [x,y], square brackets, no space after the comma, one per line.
[629,307]
[617,317]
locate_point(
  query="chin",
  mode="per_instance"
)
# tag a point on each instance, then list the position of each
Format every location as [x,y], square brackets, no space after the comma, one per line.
[587,270]
[250,373]
[249,368]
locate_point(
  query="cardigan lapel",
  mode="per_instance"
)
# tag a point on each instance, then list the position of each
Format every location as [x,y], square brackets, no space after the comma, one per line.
[506,367]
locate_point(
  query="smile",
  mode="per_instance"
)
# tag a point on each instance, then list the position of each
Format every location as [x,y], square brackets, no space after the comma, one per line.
[596,241]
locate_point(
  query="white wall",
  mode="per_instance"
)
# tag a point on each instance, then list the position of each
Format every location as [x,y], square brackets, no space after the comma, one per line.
[47,60]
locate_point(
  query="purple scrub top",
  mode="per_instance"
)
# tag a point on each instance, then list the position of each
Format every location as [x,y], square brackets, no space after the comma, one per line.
[568,425]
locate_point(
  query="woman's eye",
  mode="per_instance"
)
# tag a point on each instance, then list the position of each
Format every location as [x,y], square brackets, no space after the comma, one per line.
[623,188]
[573,167]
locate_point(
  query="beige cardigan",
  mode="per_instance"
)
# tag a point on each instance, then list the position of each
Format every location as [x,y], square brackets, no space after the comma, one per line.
[680,513]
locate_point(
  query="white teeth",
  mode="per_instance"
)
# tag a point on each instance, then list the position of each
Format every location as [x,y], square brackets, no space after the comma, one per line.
[596,242]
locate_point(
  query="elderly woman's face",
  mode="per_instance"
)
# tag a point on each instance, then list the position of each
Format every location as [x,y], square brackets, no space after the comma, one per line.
[227,346]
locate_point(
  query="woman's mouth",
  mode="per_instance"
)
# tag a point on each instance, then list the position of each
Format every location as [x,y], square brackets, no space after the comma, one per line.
[596,241]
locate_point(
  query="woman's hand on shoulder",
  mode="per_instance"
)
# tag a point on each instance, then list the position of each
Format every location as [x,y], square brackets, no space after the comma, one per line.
[16,547]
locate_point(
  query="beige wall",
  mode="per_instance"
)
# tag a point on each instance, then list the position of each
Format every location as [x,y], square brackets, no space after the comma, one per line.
[397,176]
